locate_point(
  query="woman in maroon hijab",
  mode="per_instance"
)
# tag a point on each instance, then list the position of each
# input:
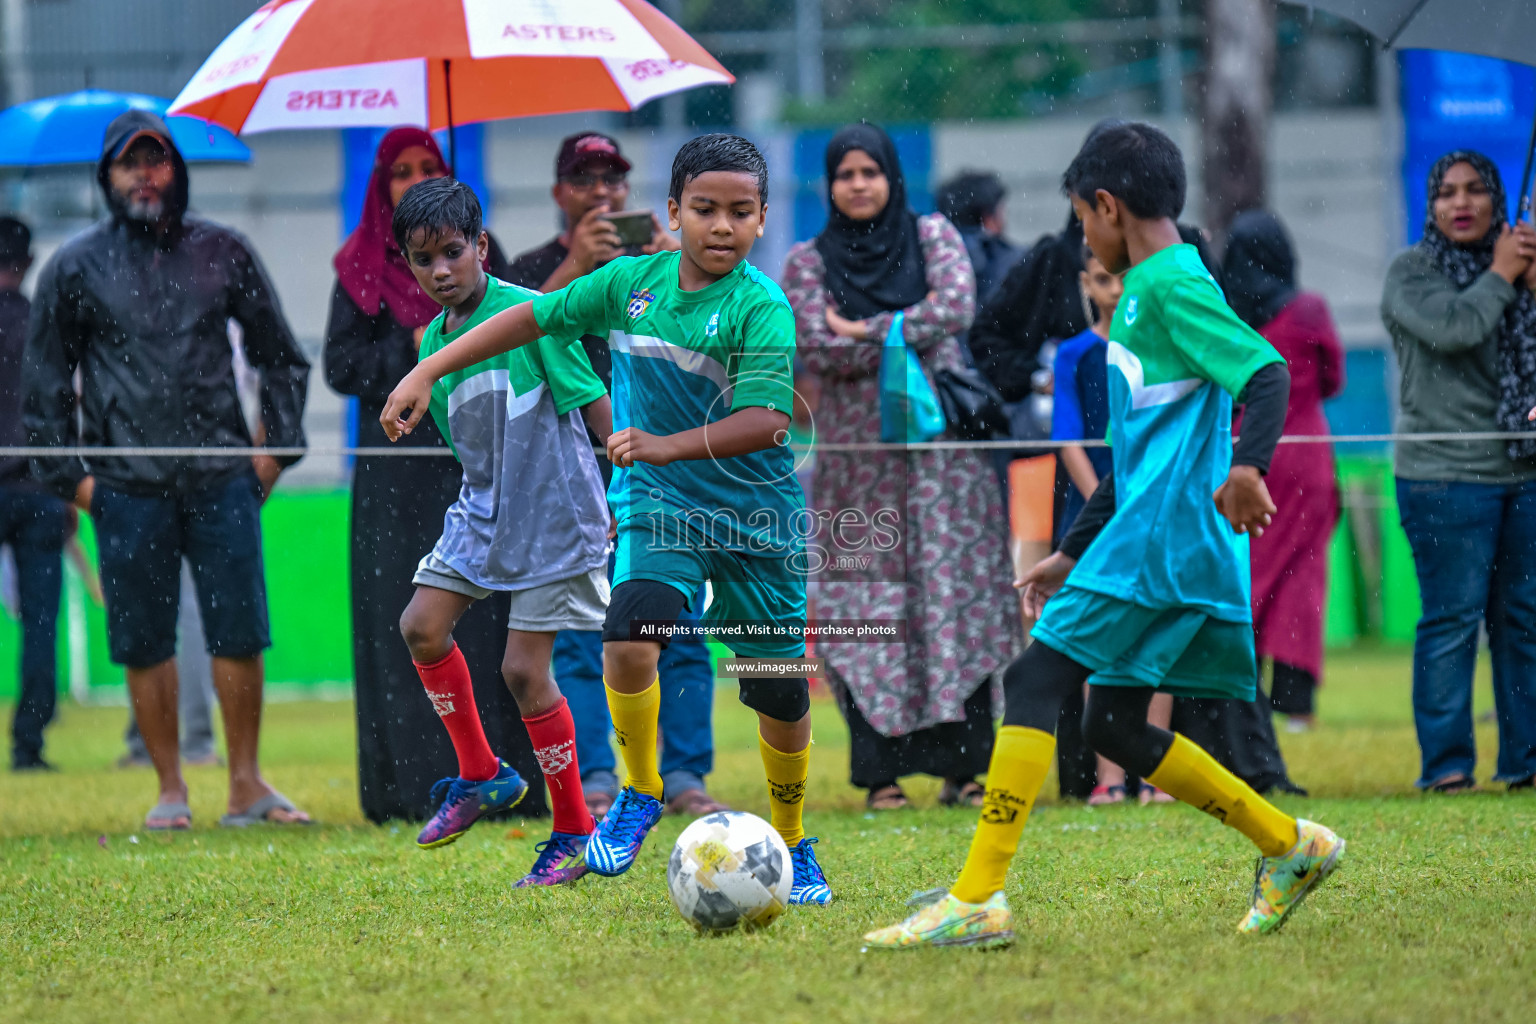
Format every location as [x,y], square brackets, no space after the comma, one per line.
[377,318]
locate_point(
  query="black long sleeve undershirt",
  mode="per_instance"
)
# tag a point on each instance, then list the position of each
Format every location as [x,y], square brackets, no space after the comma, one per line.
[1265,397]
[1265,400]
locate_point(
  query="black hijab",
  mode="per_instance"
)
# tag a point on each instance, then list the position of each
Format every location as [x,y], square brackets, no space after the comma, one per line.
[874,265]
[1258,270]
[1464,264]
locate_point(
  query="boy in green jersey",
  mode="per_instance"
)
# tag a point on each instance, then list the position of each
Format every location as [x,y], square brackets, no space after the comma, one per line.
[529,521]
[704,487]
[1159,601]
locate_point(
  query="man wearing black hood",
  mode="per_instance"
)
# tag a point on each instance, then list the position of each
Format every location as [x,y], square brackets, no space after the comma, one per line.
[141,304]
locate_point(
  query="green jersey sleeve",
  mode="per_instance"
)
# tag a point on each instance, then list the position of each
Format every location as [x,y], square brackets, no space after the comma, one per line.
[1210,337]
[572,381]
[585,306]
[764,370]
[431,341]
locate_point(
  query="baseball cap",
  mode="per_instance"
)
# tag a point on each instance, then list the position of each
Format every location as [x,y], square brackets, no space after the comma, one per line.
[142,133]
[577,149]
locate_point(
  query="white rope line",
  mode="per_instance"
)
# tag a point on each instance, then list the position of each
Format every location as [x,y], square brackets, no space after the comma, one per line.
[85,451]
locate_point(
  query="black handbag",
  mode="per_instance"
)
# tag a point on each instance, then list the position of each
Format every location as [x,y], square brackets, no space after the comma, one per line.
[973,408]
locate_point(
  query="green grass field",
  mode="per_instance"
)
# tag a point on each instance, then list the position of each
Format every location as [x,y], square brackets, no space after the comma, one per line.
[1123,913]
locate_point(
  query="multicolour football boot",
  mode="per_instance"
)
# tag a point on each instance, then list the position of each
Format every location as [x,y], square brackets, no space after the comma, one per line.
[1281,883]
[467,802]
[943,920]
[810,884]
[562,858]
[615,843]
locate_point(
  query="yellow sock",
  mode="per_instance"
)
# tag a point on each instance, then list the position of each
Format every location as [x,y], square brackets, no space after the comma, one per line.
[786,789]
[1193,776]
[1020,761]
[634,726]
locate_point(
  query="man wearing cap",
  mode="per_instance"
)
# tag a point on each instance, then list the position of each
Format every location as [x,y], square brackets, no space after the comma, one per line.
[592,181]
[141,304]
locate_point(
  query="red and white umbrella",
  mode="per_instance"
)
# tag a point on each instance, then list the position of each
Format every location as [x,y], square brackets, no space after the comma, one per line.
[437,63]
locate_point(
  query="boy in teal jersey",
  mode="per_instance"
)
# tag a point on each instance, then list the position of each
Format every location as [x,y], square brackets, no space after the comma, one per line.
[704,488]
[1158,601]
[530,520]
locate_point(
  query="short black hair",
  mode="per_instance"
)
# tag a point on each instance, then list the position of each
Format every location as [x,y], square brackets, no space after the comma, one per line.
[1136,163]
[15,242]
[970,197]
[718,152]
[439,206]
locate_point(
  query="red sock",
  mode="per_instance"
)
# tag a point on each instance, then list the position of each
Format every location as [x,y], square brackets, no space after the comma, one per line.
[554,743]
[453,698]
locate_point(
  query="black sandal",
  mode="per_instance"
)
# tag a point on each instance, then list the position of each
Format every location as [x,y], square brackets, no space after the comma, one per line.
[1451,785]
[962,794]
[886,798]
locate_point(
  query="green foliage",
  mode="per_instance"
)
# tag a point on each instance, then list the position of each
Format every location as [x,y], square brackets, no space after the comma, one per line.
[951,83]
[1123,913]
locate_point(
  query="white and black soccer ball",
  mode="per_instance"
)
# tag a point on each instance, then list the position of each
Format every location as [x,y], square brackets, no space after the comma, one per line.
[729,870]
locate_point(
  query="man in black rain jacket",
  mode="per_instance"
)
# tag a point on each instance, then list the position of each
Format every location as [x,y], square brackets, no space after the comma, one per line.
[141,304]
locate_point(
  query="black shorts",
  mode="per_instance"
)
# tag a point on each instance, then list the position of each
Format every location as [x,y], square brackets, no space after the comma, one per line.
[784,700]
[141,542]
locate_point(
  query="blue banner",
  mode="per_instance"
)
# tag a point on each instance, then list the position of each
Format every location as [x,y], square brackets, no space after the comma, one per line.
[1458,101]
[914,147]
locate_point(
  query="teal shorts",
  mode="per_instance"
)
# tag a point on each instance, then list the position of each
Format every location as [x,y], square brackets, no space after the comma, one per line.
[1177,650]
[747,589]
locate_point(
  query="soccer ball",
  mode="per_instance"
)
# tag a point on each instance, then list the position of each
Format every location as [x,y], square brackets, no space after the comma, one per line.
[729,870]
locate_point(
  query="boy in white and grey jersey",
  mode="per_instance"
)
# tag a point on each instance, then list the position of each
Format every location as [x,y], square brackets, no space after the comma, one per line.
[530,519]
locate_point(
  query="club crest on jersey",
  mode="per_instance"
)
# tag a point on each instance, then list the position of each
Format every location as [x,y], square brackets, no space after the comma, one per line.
[639,302]
[713,327]
[1130,311]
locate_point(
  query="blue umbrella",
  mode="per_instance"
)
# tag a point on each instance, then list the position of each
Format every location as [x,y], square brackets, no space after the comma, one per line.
[68,129]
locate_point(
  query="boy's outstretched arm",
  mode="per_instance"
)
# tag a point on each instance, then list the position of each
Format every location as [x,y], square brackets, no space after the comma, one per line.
[1244,499]
[748,430]
[407,404]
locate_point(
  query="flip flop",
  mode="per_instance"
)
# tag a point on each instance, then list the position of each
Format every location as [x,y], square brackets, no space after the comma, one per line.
[256,814]
[168,813]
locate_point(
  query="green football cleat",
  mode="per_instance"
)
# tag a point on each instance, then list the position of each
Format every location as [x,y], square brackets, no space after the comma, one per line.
[1281,883]
[943,920]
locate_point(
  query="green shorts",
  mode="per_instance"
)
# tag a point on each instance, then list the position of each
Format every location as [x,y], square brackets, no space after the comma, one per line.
[1178,650]
[747,589]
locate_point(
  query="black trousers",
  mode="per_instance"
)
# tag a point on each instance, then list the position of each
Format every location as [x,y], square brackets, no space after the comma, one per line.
[34,524]
[402,747]
[953,750]
[1237,733]
[1293,690]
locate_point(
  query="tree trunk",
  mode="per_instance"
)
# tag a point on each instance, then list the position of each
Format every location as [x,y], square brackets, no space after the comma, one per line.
[1236,102]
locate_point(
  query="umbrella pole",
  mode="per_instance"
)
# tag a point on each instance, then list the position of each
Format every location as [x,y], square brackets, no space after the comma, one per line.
[453,156]
[1525,177]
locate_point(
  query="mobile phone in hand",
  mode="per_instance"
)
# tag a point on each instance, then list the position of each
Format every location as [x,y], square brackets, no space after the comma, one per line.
[633,227]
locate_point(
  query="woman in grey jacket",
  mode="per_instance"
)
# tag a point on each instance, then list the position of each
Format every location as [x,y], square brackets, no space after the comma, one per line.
[1462,316]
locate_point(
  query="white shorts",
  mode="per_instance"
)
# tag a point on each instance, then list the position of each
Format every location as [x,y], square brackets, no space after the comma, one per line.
[580,602]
